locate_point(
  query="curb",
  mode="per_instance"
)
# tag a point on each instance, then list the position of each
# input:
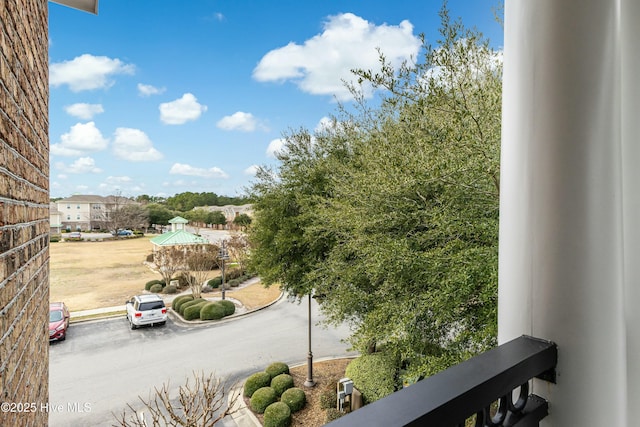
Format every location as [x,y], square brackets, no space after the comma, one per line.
[180,321]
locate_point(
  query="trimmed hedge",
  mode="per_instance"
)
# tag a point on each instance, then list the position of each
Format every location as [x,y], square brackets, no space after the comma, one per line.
[156,288]
[178,301]
[262,398]
[277,368]
[255,382]
[281,383]
[294,398]
[150,283]
[277,414]
[187,304]
[170,289]
[228,306]
[375,375]
[212,311]
[193,311]
[215,282]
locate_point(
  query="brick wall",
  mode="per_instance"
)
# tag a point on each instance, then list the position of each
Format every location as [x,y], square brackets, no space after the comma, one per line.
[24,209]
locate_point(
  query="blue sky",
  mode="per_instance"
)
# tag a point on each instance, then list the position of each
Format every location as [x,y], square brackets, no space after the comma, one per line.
[160,97]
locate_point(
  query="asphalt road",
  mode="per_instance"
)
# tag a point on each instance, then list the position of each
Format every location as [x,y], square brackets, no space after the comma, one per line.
[103,365]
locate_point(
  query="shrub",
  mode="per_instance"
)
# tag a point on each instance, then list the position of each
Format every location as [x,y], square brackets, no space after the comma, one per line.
[262,398]
[328,399]
[187,304]
[215,282]
[170,289]
[212,311]
[294,398]
[193,311]
[178,301]
[150,283]
[281,383]
[277,368]
[255,382]
[277,414]
[150,258]
[157,288]
[374,375]
[54,238]
[182,279]
[229,307]
[332,414]
[234,283]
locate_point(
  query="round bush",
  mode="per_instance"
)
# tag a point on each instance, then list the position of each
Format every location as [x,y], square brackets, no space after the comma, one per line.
[281,383]
[170,289]
[294,398]
[262,398]
[277,414]
[178,301]
[374,375]
[193,311]
[156,288]
[188,304]
[277,368]
[229,307]
[150,283]
[212,311]
[255,382]
[215,282]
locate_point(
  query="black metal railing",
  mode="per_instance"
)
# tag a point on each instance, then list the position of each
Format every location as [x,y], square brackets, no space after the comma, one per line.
[488,380]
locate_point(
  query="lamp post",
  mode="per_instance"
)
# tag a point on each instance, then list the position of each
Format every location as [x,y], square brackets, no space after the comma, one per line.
[223,256]
[309,382]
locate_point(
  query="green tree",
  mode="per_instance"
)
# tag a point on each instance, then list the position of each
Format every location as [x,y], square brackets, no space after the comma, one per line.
[216,218]
[159,214]
[390,215]
[242,220]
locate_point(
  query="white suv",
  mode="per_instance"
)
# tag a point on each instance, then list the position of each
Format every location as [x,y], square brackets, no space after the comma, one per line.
[146,310]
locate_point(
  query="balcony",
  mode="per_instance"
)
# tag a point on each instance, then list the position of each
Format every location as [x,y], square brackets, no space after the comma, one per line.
[450,397]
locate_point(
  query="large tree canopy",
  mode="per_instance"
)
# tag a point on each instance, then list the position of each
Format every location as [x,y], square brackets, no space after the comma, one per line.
[390,214]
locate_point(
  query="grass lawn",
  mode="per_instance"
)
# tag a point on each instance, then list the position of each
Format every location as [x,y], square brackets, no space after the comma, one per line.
[88,275]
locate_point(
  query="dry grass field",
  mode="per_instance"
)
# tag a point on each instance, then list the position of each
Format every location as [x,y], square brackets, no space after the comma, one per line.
[88,275]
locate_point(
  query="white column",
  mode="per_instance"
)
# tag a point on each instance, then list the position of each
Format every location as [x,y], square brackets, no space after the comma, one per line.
[630,95]
[565,210]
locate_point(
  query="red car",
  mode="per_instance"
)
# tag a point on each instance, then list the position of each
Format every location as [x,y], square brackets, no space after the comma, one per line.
[58,321]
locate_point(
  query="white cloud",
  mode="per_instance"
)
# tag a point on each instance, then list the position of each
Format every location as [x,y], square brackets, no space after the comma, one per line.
[241,121]
[83,165]
[87,72]
[62,176]
[274,147]
[251,170]
[134,145]
[117,179]
[148,90]
[81,138]
[183,169]
[84,111]
[181,110]
[322,63]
